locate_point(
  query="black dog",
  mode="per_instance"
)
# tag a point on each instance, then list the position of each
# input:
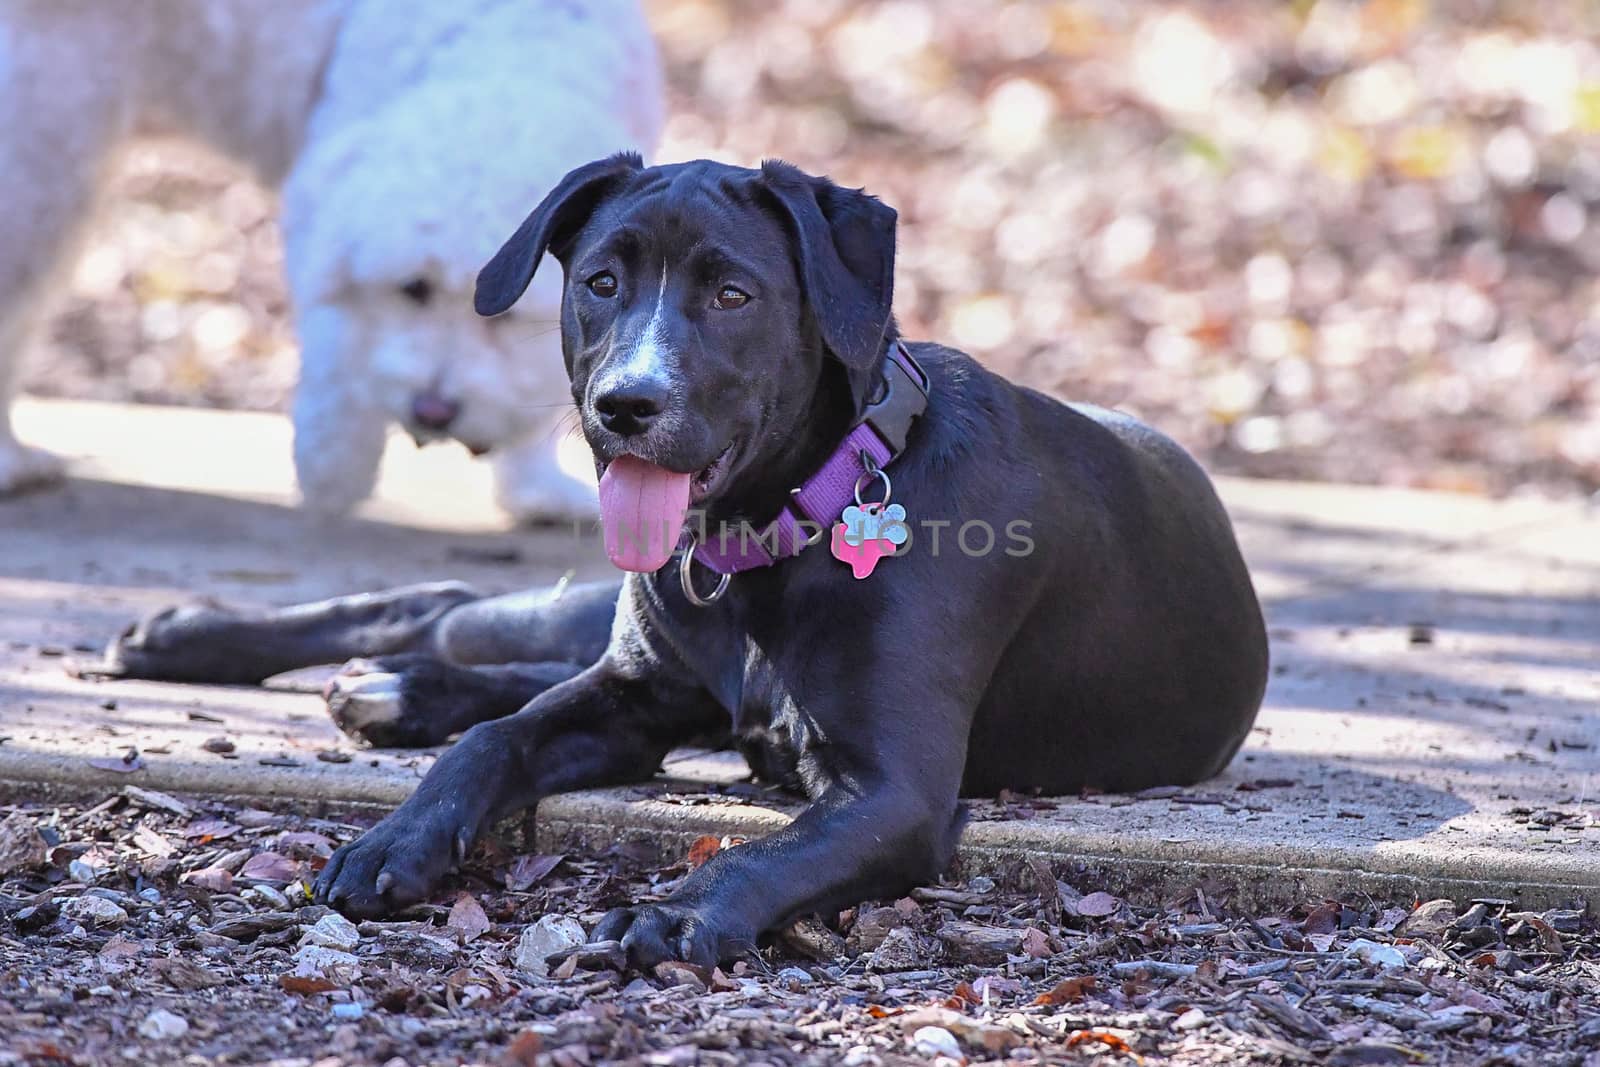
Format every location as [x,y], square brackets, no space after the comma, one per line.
[1071,609]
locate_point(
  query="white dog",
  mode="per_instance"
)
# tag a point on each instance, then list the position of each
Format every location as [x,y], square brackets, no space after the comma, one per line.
[408,136]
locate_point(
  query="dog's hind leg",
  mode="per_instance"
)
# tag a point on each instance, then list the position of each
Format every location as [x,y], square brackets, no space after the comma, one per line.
[446,621]
[211,643]
[56,132]
[485,660]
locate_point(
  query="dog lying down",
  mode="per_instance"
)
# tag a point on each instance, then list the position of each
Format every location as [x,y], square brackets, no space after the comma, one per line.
[947,584]
[406,137]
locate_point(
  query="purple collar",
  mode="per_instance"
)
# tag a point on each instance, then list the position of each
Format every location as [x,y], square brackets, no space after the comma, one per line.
[814,507]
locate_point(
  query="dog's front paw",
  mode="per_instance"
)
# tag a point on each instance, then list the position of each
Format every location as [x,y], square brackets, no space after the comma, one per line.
[184,644]
[23,467]
[393,865]
[652,933]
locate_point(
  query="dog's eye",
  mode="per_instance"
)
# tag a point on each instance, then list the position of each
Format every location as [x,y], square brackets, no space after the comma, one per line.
[418,290]
[603,284]
[730,298]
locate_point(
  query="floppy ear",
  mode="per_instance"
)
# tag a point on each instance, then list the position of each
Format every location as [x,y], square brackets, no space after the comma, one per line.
[553,223]
[845,243]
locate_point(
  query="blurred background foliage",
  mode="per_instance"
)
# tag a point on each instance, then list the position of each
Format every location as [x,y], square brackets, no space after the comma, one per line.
[1340,240]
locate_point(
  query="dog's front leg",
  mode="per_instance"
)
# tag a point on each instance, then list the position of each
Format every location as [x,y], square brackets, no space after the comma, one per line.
[600,728]
[855,842]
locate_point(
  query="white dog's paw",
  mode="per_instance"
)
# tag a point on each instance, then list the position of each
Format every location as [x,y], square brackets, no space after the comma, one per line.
[23,467]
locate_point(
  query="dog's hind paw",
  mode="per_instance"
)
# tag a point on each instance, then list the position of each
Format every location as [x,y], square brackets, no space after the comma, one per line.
[394,701]
[184,644]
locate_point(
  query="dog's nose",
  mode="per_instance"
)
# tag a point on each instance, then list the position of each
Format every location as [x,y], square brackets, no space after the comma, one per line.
[631,407]
[431,411]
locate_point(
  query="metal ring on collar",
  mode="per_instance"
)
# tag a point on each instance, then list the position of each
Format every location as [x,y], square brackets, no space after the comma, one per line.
[866,479]
[686,578]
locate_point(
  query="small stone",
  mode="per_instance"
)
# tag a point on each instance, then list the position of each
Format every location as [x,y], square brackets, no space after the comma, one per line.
[551,934]
[219,745]
[80,871]
[331,931]
[318,961]
[1431,920]
[899,951]
[937,1041]
[794,976]
[150,895]
[1193,1019]
[981,884]
[348,1012]
[163,1025]
[269,896]
[94,911]
[1375,953]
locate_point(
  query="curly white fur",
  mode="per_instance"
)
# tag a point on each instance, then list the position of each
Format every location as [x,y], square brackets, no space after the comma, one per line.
[409,137]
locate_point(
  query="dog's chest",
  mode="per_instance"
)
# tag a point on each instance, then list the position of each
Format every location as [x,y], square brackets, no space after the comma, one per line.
[782,741]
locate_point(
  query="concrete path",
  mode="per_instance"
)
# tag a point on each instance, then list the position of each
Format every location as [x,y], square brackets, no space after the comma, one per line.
[1433,725]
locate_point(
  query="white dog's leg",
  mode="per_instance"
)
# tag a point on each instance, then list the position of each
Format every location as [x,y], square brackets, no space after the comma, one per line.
[535,487]
[339,432]
[21,466]
[53,146]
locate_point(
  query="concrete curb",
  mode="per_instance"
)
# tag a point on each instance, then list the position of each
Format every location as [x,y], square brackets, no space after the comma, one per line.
[1015,853]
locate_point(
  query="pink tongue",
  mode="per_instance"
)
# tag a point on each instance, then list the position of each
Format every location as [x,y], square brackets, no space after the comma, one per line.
[641,512]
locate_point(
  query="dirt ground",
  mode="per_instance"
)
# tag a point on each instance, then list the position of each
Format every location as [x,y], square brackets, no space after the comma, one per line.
[149,928]
[1335,241]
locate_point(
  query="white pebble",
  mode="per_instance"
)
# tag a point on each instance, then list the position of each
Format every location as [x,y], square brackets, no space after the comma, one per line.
[94,911]
[332,931]
[162,1025]
[936,1041]
[1385,956]
[551,934]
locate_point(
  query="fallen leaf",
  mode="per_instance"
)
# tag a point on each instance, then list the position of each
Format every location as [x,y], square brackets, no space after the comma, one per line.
[304,844]
[1104,1037]
[1067,992]
[530,870]
[270,867]
[210,829]
[127,763]
[524,1051]
[703,849]
[294,983]
[214,879]
[1322,919]
[467,918]
[1036,944]
[1097,905]
[961,997]
[878,1011]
